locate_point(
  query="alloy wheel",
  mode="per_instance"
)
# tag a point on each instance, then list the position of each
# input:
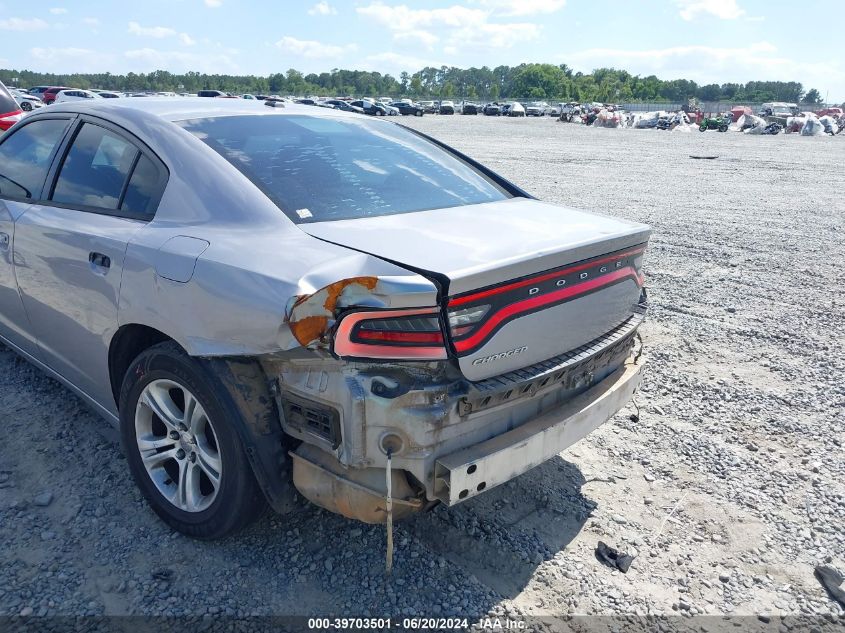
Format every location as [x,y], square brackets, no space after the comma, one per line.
[178,445]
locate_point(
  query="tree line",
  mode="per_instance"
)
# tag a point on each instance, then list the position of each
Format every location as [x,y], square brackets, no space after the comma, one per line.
[526,81]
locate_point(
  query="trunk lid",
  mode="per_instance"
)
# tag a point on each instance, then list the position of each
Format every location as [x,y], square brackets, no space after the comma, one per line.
[527,280]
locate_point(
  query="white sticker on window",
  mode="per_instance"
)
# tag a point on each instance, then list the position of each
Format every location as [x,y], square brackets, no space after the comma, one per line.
[304,213]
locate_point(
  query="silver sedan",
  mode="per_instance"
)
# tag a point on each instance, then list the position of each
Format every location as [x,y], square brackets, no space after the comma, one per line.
[269,297]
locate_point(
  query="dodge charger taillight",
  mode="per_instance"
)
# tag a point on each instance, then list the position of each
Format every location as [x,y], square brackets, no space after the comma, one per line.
[391,334]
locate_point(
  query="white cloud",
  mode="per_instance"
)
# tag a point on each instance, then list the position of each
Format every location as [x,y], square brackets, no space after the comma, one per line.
[160,32]
[156,32]
[91,22]
[759,61]
[403,18]
[417,36]
[395,64]
[58,10]
[322,8]
[523,7]
[146,59]
[71,59]
[21,24]
[723,9]
[497,35]
[313,49]
[213,3]
[458,27]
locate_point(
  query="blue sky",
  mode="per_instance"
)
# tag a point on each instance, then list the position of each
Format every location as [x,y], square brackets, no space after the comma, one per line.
[704,40]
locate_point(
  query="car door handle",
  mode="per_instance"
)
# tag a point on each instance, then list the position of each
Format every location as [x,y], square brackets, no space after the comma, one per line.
[98,260]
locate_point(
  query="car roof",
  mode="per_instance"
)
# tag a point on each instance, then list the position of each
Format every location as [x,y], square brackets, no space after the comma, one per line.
[186,108]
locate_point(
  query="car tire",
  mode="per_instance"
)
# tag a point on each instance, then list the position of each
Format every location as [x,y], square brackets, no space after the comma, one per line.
[176,472]
[26,106]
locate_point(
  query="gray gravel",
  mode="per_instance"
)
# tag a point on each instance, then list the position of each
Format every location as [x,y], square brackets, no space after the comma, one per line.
[729,489]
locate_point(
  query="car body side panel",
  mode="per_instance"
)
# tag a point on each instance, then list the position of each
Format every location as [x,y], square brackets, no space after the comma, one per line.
[14,323]
[72,302]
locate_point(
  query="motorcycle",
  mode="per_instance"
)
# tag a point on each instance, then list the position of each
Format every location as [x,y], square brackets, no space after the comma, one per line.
[773,128]
[713,123]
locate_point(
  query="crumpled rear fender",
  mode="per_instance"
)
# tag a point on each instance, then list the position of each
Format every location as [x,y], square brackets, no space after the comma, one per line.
[263,292]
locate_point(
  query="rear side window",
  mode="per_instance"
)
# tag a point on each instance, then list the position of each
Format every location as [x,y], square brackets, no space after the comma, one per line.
[95,169]
[25,157]
[142,191]
[332,168]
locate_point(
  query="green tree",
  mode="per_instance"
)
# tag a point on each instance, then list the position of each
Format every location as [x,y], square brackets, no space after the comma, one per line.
[813,97]
[416,85]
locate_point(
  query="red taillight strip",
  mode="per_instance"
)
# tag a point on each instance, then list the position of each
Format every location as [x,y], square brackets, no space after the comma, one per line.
[544,277]
[434,338]
[539,301]
[344,346]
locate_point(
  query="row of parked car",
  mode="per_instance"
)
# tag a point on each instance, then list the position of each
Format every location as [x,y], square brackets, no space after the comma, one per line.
[494,108]
[39,96]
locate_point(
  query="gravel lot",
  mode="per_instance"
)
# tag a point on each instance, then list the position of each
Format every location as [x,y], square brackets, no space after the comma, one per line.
[730,488]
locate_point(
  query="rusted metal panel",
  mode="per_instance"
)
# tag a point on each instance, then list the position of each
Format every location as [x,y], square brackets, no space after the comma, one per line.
[311,316]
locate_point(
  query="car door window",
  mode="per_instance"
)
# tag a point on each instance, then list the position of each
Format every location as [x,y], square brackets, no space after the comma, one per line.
[25,157]
[95,169]
[143,189]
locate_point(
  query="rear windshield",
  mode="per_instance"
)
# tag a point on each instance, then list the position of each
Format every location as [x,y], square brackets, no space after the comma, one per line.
[330,168]
[7,103]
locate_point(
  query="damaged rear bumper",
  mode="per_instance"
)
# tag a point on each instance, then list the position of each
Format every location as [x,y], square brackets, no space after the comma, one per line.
[449,439]
[468,472]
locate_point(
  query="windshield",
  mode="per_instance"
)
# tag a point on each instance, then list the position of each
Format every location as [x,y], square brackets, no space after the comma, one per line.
[330,168]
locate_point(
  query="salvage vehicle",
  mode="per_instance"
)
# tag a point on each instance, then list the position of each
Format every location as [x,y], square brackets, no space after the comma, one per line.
[75,95]
[408,109]
[429,107]
[345,106]
[714,123]
[470,108]
[492,109]
[38,91]
[515,109]
[26,101]
[269,297]
[537,108]
[49,95]
[446,107]
[10,110]
[370,107]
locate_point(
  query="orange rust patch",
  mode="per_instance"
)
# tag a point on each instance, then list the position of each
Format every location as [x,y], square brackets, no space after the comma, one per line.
[333,290]
[312,328]
[309,329]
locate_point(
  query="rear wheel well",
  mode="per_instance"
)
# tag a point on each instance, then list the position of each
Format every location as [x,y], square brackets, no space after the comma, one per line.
[128,342]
